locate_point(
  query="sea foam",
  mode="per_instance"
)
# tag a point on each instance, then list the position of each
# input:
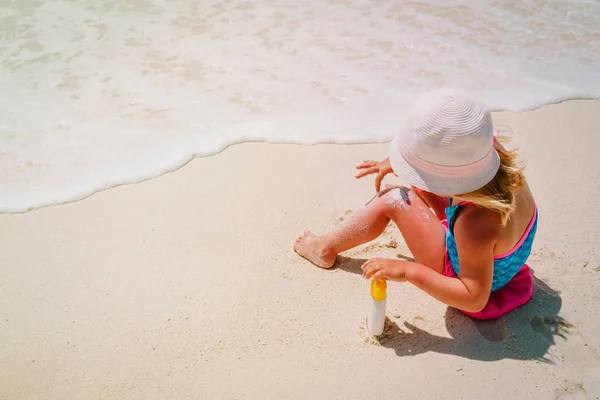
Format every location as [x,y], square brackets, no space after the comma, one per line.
[97,93]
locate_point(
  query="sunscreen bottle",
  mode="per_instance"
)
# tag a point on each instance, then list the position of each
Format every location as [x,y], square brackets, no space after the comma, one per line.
[376,310]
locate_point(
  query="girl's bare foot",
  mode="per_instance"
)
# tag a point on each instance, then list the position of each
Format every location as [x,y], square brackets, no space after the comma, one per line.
[314,250]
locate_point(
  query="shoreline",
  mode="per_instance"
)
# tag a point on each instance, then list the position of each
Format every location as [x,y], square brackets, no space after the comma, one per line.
[185,163]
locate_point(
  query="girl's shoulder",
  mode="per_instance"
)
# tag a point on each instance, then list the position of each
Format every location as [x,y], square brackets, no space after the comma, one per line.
[477,224]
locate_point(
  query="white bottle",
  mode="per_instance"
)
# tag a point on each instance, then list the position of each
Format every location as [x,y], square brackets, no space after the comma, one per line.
[376,308]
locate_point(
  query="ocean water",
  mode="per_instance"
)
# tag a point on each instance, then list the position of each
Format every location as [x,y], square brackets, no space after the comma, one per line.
[97,93]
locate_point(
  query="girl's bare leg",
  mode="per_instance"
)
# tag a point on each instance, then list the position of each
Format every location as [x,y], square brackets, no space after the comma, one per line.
[422,232]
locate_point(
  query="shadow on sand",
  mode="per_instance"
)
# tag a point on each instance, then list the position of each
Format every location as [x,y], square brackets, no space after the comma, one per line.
[525,333]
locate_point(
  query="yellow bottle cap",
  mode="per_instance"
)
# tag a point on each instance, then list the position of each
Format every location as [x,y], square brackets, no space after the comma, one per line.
[378,289]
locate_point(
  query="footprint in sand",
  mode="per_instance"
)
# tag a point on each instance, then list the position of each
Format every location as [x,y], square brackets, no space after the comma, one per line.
[571,391]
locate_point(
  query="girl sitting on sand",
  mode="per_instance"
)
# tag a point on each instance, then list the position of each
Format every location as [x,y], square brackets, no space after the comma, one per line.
[468,218]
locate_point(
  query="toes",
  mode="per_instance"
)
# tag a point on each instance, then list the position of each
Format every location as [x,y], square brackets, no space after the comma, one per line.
[303,236]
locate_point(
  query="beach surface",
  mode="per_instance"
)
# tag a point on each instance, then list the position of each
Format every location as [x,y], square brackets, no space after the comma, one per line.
[186,286]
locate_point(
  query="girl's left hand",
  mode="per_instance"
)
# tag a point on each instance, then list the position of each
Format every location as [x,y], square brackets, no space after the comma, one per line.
[394,270]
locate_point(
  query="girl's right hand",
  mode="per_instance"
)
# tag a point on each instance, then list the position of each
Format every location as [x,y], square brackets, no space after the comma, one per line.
[369,167]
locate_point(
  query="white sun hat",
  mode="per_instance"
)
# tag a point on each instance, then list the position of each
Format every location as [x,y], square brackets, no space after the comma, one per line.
[446,144]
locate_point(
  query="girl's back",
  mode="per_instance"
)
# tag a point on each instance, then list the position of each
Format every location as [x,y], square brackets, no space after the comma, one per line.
[482,221]
[510,235]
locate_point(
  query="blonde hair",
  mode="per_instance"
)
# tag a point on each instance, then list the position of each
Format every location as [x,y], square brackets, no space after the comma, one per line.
[500,193]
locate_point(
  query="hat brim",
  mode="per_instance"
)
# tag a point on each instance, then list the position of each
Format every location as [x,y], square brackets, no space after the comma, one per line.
[441,184]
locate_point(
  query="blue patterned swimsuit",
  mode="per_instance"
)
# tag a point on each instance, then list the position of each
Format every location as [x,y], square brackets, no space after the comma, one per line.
[506,265]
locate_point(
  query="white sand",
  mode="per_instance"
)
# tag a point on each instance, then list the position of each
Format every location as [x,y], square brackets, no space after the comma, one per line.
[186,286]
